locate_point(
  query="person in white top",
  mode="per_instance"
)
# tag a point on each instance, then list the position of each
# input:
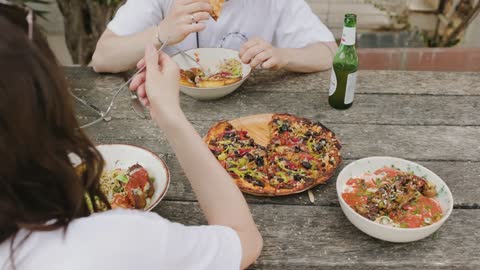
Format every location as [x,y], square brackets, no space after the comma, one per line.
[45,222]
[271,34]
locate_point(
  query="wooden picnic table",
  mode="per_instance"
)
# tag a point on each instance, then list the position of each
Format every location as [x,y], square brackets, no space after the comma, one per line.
[432,118]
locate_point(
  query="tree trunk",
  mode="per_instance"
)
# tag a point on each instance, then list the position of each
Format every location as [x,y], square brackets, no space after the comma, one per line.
[85,21]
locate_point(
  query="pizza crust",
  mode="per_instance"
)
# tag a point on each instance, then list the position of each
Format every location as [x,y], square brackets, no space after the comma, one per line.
[217,6]
[217,130]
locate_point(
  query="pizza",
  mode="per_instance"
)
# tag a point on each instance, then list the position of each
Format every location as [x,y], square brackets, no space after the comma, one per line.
[300,154]
[217,6]
[243,159]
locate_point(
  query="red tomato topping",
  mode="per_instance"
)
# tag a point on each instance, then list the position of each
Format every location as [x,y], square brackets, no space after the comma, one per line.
[352,199]
[295,139]
[292,166]
[242,152]
[243,135]
[390,172]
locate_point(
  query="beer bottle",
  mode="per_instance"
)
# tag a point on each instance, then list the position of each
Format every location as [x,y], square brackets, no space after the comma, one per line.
[345,66]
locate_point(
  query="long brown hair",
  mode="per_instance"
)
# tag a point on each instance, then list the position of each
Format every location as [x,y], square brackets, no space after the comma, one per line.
[39,188]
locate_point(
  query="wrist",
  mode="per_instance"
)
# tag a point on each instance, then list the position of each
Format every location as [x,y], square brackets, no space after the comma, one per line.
[170,120]
[285,57]
[161,34]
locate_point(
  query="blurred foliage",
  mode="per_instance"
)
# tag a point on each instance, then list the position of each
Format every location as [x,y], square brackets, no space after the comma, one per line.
[400,21]
[37,5]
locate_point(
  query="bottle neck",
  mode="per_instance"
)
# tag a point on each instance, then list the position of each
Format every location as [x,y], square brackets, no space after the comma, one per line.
[348,36]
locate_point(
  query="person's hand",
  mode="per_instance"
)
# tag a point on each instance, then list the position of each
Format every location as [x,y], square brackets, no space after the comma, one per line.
[185,17]
[259,52]
[158,85]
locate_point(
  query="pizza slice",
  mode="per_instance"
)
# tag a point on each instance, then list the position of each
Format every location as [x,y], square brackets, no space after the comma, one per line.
[289,171]
[217,6]
[292,172]
[311,149]
[303,135]
[322,144]
[243,159]
[288,130]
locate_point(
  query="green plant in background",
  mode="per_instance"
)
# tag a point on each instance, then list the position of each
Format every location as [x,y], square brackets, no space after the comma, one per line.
[400,21]
[84,22]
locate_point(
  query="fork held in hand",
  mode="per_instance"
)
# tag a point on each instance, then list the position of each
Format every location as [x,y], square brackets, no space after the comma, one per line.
[137,106]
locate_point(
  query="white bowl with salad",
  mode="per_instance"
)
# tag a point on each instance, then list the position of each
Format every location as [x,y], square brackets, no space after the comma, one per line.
[225,73]
[393,199]
[133,177]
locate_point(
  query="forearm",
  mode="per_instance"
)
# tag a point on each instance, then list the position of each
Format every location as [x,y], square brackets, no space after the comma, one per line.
[219,197]
[313,58]
[120,53]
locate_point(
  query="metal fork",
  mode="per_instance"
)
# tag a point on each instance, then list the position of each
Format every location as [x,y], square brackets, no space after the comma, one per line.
[137,106]
[135,102]
[184,54]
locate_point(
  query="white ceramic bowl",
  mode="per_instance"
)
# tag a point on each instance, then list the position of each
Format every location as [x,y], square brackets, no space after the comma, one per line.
[384,232]
[123,156]
[210,58]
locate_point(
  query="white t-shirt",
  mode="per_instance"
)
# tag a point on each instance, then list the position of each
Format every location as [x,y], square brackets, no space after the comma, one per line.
[283,23]
[127,239]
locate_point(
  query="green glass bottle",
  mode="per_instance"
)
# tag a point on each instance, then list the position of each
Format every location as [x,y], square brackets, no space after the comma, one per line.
[345,66]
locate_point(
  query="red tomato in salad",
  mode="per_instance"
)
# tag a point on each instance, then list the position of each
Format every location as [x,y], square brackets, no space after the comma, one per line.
[138,179]
[354,182]
[120,201]
[390,172]
[352,199]
[424,212]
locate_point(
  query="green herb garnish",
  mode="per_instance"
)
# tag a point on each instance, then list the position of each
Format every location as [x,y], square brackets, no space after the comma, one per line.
[122,178]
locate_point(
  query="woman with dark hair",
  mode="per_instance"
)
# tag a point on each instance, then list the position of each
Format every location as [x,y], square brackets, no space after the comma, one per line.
[44,220]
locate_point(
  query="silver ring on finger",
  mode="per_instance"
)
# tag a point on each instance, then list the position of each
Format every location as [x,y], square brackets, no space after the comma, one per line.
[193,19]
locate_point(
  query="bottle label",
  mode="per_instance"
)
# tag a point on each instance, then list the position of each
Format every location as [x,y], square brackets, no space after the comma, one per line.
[348,35]
[333,82]
[350,89]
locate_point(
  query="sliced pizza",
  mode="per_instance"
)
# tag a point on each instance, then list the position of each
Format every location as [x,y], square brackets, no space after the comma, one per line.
[217,6]
[300,155]
[290,171]
[243,159]
[302,135]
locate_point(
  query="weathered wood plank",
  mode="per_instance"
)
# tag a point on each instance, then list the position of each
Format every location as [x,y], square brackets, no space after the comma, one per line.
[461,177]
[372,82]
[84,78]
[369,82]
[367,109]
[315,237]
[429,143]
